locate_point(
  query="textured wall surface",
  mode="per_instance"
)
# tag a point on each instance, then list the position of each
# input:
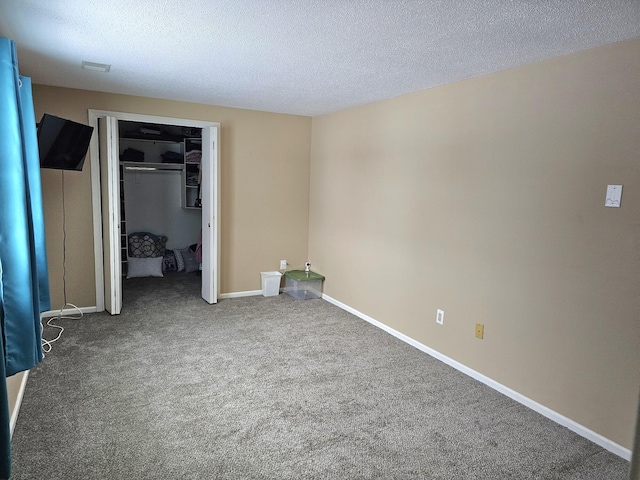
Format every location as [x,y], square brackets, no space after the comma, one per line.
[485,198]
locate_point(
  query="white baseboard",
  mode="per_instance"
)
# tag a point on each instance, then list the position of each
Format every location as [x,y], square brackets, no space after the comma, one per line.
[249,293]
[547,412]
[68,311]
[16,407]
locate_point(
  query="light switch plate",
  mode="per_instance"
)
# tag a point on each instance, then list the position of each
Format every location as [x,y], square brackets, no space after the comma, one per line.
[614,196]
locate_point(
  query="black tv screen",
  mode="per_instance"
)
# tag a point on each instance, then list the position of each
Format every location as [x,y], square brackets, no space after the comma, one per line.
[62,143]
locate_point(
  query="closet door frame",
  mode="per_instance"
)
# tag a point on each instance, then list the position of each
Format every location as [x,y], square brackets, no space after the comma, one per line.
[211,250]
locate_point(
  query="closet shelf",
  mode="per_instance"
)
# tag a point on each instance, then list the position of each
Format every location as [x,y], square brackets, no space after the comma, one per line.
[152,139]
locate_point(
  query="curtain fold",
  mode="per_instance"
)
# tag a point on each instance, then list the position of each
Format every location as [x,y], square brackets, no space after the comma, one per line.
[24,284]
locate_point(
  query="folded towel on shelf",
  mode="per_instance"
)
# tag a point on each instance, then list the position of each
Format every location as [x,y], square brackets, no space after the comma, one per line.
[172,157]
[193,156]
[192,179]
[132,155]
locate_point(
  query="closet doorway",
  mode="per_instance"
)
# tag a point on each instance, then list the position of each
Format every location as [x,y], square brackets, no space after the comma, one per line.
[107,187]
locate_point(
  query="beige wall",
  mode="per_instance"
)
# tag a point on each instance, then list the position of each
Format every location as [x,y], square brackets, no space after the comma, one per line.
[265,190]
[485,198]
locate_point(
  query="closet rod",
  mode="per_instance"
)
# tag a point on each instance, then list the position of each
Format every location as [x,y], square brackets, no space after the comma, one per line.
[152,169]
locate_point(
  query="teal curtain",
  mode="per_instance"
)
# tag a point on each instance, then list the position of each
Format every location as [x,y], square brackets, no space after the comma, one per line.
[24,283]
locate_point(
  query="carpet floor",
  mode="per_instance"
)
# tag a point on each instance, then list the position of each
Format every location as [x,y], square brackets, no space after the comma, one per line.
[271,388]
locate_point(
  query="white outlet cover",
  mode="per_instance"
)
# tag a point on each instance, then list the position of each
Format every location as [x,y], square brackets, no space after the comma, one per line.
[283,264]
[440,317]
[614,195]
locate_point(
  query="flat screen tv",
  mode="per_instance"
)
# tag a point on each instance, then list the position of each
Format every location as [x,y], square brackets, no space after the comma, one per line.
[62,143]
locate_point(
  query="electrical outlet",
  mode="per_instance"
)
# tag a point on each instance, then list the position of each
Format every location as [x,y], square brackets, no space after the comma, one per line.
[283,264]
[440,317]
[480,330]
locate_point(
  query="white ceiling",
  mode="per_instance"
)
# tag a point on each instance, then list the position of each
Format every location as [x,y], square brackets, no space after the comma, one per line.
[305,57]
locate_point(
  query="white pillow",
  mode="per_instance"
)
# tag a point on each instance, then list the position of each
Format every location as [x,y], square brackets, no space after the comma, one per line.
[144,267]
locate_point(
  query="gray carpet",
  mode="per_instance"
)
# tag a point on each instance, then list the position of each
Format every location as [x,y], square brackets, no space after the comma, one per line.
[271,388]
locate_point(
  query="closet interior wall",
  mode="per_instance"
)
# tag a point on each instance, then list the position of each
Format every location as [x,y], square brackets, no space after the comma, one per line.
[158,194]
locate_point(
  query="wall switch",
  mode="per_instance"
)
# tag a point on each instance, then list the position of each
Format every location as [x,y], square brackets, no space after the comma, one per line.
[440,317]
[480,330]
[283,264]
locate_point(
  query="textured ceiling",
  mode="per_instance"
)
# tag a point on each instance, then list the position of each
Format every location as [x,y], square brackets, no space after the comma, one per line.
[305,57]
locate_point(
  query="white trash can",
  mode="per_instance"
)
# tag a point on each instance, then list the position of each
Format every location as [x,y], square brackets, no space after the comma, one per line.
[270,283]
